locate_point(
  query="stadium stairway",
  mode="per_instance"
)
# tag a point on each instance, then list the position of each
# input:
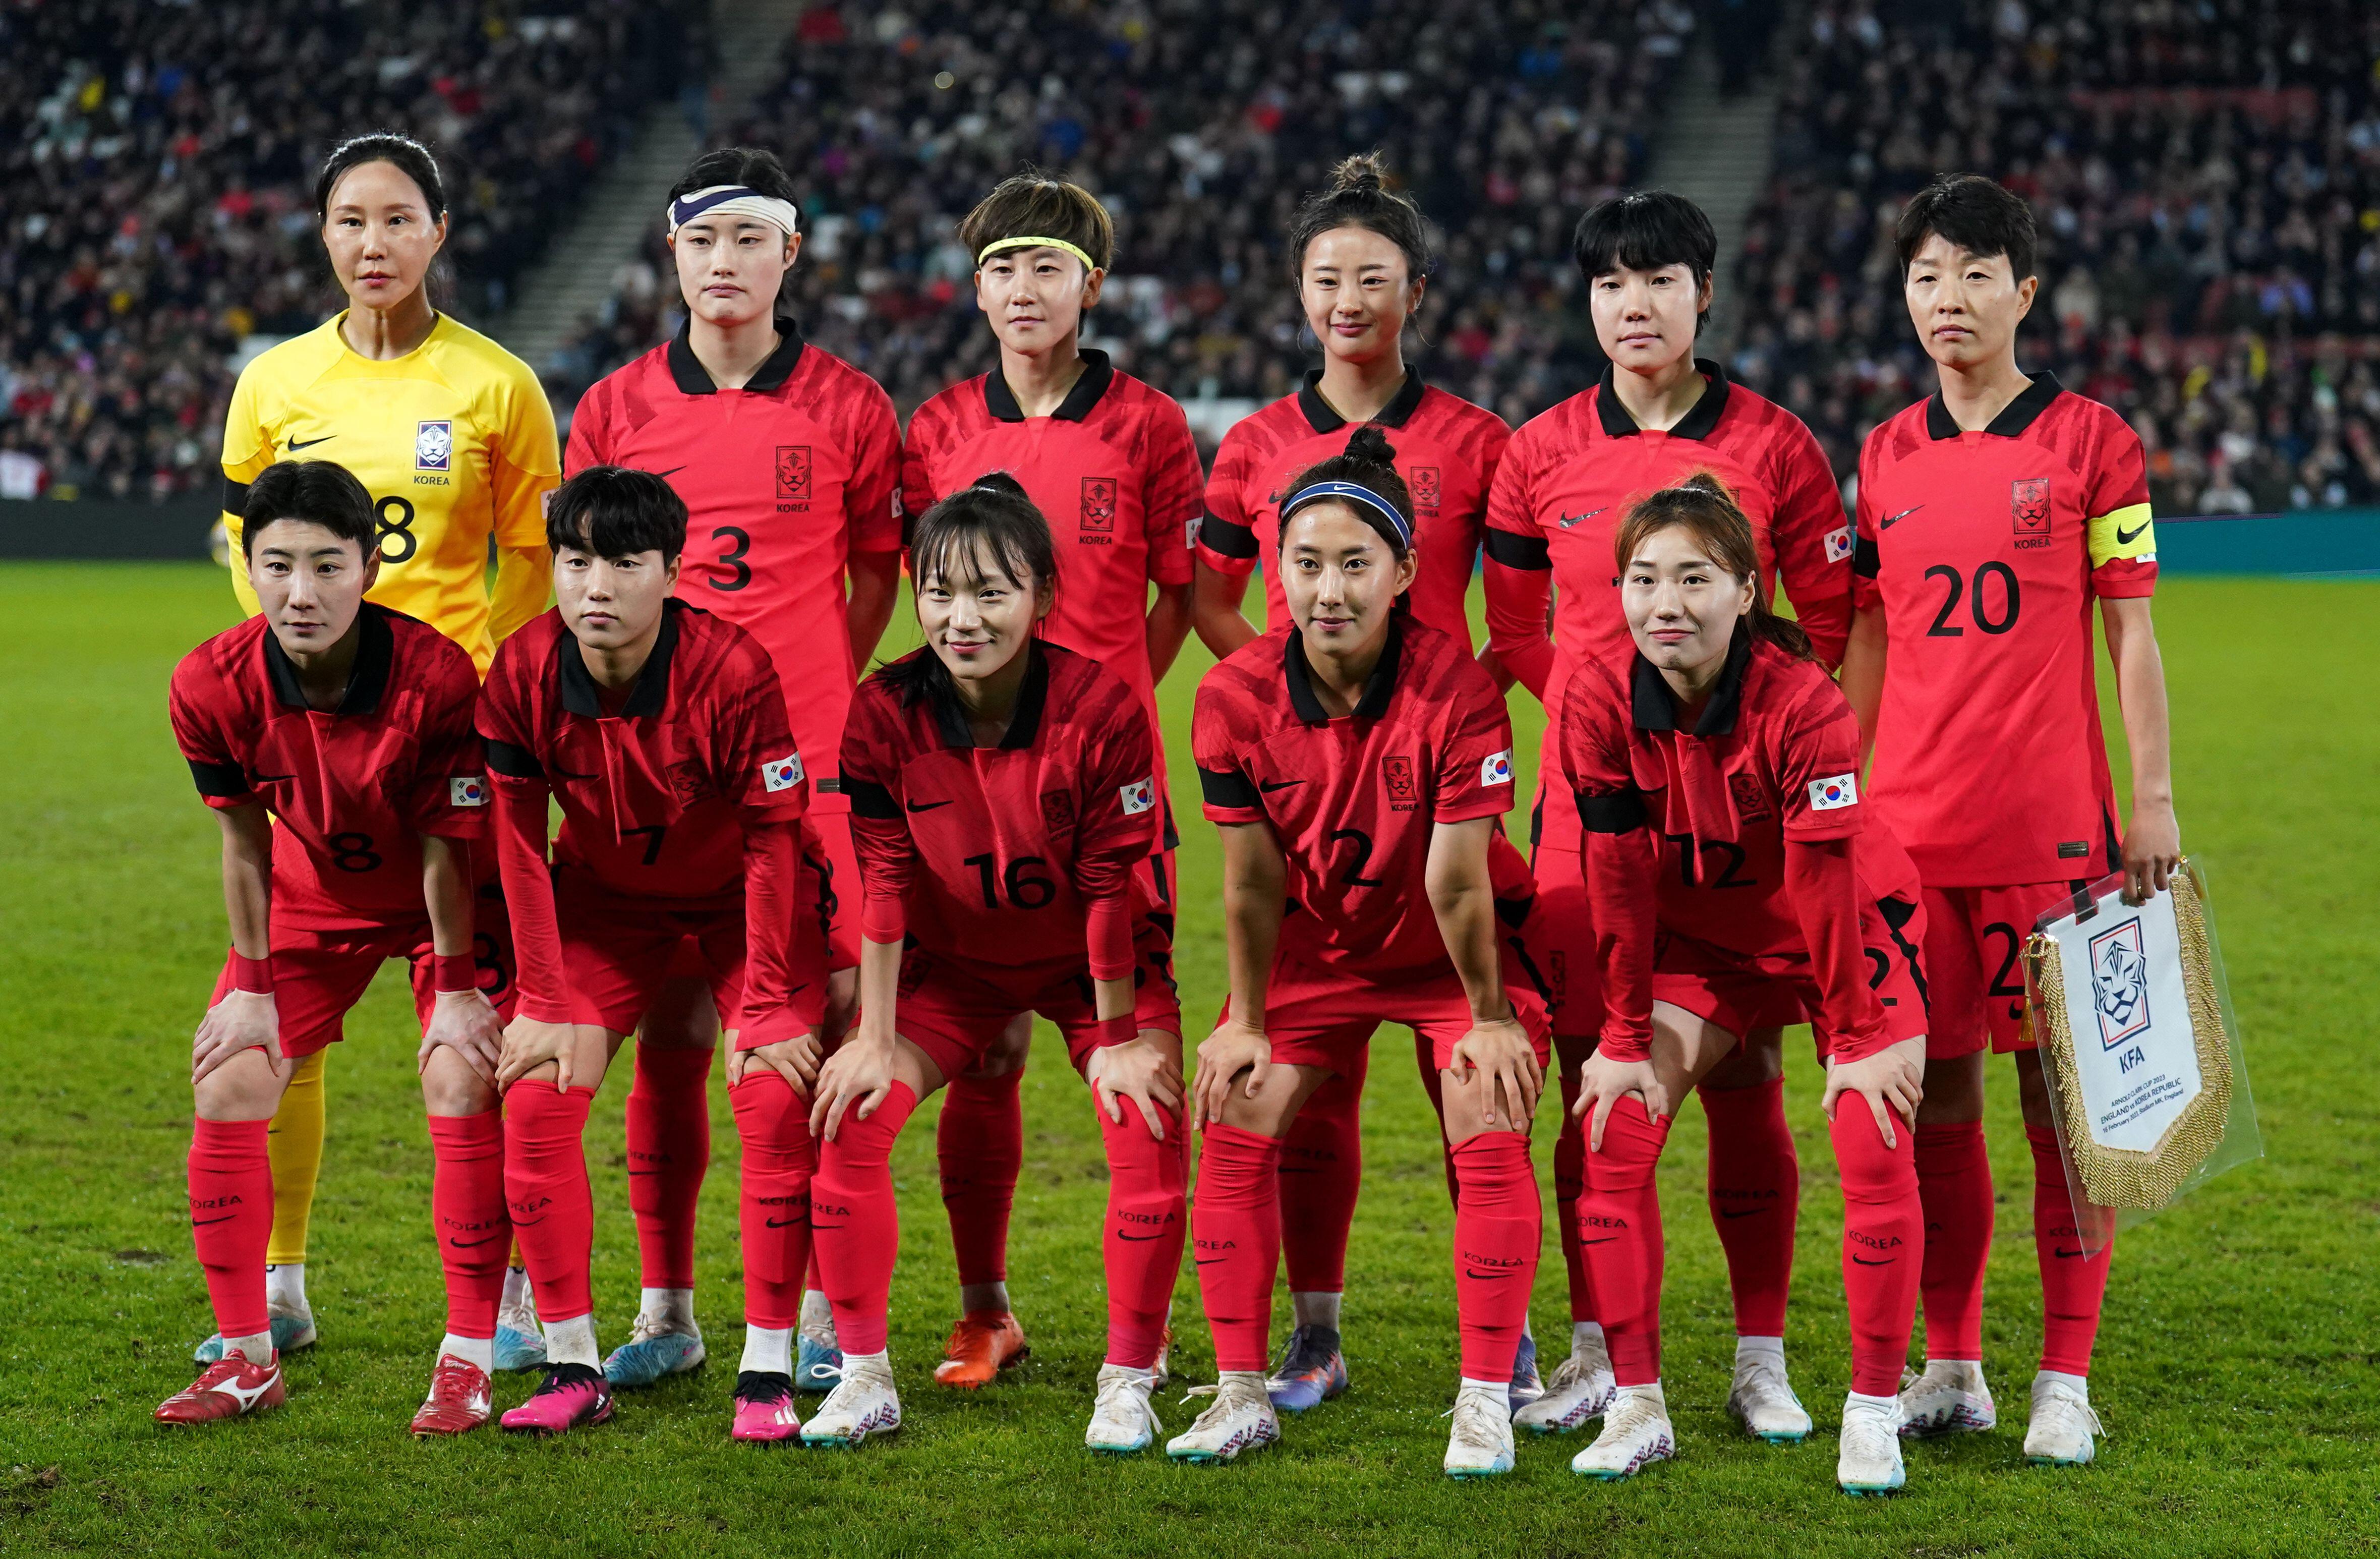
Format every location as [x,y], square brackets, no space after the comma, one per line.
[1715,150]
[580,270]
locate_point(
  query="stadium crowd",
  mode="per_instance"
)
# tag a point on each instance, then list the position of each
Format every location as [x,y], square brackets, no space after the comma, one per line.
[155,205]
[2206,179]
[1504,123]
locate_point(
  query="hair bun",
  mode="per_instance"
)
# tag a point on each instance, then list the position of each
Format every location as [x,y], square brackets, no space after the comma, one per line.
[1362,173]
[1002,483]
[1370,443]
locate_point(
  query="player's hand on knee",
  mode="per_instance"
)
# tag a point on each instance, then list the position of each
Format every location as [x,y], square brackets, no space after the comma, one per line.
[1235,1047]
[796,1060]
[2151,850]
[529,1045]
[1891,1082]
[242,1020]
[1602,1082]
[1500,1048]
[860,1074]
[466,1022]
[1139,1070]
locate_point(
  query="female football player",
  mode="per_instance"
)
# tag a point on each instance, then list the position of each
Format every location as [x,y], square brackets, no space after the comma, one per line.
[1715,771]
[1360,258]
[1358,762]
[454,442]
[1003,794]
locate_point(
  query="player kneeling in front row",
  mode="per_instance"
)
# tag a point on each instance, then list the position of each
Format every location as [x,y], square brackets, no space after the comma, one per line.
[1719,738]
[1002,795]
[1358,762]
[661,730]
[351,725]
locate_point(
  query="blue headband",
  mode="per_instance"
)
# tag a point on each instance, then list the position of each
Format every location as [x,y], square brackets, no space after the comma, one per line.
[1352,493]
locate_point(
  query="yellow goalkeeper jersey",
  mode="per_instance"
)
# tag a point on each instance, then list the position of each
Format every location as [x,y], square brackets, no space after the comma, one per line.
[456,443]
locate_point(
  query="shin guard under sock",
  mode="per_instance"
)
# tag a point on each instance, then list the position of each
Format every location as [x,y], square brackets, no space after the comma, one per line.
[1954,1183]
[772,1124]
[669,1152]
[1884,1243]
[1620,1227]
[1235,1232]
[2073,1280]
[1321,1173]
[854,1223]
[1756,1194]
[545,1193]
[1498,1225]
[468,1214]
[1147,1222]
[980,1144]
[231,1219]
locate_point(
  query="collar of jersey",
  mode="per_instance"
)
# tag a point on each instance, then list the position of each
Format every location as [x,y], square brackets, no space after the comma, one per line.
[1656,707]
[1098,375]
[374,652]
[1322,419]
[1378,687]
[1024,727]
[2015,418]
[649,696]
[693,379]
[1697,423]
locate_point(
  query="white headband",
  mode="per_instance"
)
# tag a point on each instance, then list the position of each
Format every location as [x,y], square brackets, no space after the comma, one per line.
[734,199]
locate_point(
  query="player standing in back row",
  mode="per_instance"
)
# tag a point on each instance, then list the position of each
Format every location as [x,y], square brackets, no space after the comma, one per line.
[1991,515]
[1111,464]
[1660,415]
[788,460]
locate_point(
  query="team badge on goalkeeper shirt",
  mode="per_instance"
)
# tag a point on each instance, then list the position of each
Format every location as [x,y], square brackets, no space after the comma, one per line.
[434,445]
[1496,768]
[467,790]
[1826,795]
[1139,797]
[782,774]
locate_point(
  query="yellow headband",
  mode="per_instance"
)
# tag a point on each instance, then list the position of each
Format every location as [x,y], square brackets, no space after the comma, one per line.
[999,244]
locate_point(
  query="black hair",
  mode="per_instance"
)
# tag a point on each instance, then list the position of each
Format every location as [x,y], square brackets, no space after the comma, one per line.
[319,492]
[1359,195]
[1703,504]
[407,155]
[1368,461]
[991,515]
[1033,205]
[754,167]
[1646,230]
[1979,214]
[611,511]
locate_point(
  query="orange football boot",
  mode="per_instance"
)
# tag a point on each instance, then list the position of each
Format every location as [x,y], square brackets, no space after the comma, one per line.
[982,1345]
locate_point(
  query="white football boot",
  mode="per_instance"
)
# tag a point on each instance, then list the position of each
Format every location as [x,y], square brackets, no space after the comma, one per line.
[1869,1460]
[1481,1443]
[1580,1390]
[1763,1401]
[2059,1433]
[1949,1397]
[862,1403]
[1121,1420]
[1240,1419]
[1636,1433]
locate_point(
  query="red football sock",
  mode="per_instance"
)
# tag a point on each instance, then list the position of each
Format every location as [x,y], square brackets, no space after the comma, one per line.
[1954,1182]
[545,1193]
[854,1223]
[1235,1229]
[1884,1243]
[669,1152]
[1498,1225]
[2073,1283]
[980,1142]
[1321,1171]
[467,1209]
[1147,1222]
[1570,1183]
[772,1123]
[231,1219]
[1620,1226]
[1756,1194]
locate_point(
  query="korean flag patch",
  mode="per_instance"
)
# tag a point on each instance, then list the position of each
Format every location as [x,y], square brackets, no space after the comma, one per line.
[1137,796]
[1496,768]
[782,774]
[1838,543]
[1826,795]
[467,790]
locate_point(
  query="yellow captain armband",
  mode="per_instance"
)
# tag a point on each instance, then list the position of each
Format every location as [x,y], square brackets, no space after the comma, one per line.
[2126,534]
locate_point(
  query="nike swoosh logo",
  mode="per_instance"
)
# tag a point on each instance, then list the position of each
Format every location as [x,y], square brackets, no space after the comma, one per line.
[633,1173]
[1566,521]
[783,1222]
[1607,1239]
[2073,1253]
[2126,538]
[926,805]
[297,445]
[1121,1234]
[520,1223]
[203,1223]
[1268,787]
[1747,1212]
[468,1244]
[1861,1260]
[1904,514]
[817,1227]
[1488,1277]
[1209,1260]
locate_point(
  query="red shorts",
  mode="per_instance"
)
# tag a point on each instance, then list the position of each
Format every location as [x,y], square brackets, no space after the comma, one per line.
[1558,940]
[955,1008]
[1741,994]
[1975,938]
[318,976]
[1325,1019]
[618,952]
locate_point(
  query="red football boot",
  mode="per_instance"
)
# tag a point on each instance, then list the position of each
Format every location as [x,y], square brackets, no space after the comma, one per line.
[982,1345]
[230,1386]
[459,1400]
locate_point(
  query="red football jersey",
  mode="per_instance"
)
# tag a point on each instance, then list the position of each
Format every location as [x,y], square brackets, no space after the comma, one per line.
[1571,476]
[1115,472]
[352,788]
[1353,800]
[1447,450]
[1773,757]
[1984,552]
[784,479]
[996,854]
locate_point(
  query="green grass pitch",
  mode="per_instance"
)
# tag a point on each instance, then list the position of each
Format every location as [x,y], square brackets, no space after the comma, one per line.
[2236,1366]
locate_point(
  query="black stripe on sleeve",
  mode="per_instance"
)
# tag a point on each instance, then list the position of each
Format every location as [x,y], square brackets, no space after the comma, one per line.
[514,762]
[1515,550]
[1228,787]
[1611,814]
[869,799]
[1865,561]
[234,496]
[222,781]
[1222,537]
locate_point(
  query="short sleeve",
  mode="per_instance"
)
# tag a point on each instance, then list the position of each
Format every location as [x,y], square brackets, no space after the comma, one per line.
[1472,765]
[1171,500]
[192,702]
[1817,768]
[525,463]
[871,494]
[449,797]
[1227,541]
[2123,536]
[1227,792]
[1867,590]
